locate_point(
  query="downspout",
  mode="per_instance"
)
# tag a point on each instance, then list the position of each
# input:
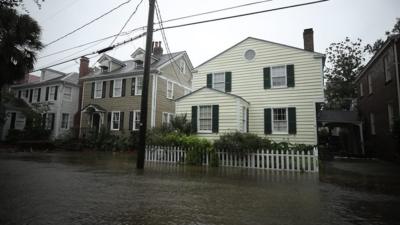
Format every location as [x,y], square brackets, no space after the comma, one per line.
[397,72]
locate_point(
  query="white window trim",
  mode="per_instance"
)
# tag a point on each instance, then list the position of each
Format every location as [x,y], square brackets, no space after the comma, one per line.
[67,121]
[244,120]
[198,120]
[96,84]
[35,95]
[70,97]
[271,82]
[287,120]
[168,117]
[213,79]
[136,85]
[114,85]
[172,91]
[112,120]
[51,98]
[134,120]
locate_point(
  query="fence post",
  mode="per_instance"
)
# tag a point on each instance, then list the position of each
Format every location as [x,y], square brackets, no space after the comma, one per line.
[316,166]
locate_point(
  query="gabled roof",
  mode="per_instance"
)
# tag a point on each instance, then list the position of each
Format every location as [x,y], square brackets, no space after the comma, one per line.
[46,82]
[270,42]
[130,67]
[112,59]
[205,87]
[381,50]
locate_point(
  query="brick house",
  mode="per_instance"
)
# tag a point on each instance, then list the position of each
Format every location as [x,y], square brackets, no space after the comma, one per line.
[378,99]
[111,92]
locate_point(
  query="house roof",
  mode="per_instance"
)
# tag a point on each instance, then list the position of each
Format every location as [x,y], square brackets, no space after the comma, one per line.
[114,60]
[46,82]
[377,54]
[205,87]
[335,116]
[275,43]
[130,67]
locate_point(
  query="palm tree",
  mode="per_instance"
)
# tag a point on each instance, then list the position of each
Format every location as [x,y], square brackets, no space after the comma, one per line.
[19,44]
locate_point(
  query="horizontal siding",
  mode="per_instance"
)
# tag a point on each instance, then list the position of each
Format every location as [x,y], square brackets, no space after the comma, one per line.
[247,82]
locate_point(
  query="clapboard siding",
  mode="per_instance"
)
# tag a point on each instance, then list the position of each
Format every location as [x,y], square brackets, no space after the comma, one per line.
[247,82]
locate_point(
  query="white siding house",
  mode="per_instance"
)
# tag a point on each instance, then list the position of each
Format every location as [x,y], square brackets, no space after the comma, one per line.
[58,91]
[280,85]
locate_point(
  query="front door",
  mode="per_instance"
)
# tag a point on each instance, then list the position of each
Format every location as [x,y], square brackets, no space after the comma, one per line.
[96,122]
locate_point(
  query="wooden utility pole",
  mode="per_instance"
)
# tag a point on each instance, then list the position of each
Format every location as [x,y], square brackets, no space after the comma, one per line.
[145,88]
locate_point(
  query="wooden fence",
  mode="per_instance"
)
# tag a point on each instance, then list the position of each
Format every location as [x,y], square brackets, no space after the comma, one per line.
[287,160]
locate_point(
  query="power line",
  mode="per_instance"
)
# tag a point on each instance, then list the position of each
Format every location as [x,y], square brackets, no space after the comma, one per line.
[60,10]
[170,20]
[127,21]
[88,23]
[187,24]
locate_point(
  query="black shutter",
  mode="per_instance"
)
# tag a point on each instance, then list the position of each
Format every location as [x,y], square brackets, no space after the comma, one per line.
[194,118]
[133,86]
[292,120]
[123,87]
[44,120]
[30,95]
[247,120]
[103,90]
[38,97]
[290,75]
[55,94]
[111,88]
[92,92]
[267,121]
[131,120]
[267,78]
[228,81]
[121,120]
[19,94]
[209,80]
[13,118]
[109,120]
[52,120]
[215,118]
[47,93]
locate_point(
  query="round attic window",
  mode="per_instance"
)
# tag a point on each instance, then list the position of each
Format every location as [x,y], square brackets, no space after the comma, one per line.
[250,54]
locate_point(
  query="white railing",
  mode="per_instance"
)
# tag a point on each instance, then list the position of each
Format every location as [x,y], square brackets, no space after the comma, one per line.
[262,159]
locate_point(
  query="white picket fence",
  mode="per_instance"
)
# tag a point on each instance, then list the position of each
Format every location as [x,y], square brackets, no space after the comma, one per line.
[262,159]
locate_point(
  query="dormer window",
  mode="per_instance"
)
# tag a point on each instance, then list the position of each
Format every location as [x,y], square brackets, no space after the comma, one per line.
[139,64]
[104,68]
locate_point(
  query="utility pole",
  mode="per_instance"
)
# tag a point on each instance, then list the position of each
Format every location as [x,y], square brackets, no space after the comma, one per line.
[145,88]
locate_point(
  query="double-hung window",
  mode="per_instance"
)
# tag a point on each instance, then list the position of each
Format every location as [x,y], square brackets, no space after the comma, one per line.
[67,93]
[205,118]
[386,68]
[35,94]
[136,120]
[278,76]
[170,90]
[117,88]
[138,85]
[49,121]
[98,89]
[219,81]
[167,117]
[279,120]
[65,121]
[52,95]
[115,118]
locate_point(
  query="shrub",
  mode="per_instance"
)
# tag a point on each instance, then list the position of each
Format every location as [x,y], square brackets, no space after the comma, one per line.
[32,134]
[106,141]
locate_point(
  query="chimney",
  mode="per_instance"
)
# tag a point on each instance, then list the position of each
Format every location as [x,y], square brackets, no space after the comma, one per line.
[84,66]
[308,36]
[157,49]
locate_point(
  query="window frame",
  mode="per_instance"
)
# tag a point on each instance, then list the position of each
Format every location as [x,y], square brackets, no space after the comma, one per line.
[135,119]
[199,119]
[52,94]
[49,122]
[136,85]
[169,115]
[64,122]
[35,95]
[369,80]
[244,119]
[388,76]
[70,94]
[113,113]
[213,80]
[273,123]
[170,92]
[272,77]
[115,88]
[96,89]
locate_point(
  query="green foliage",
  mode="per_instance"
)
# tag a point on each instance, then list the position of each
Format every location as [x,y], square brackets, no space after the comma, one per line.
[181,124]
[374,48]
[106,141]
[19,44]
[344,63]
[242,143]
[32,134]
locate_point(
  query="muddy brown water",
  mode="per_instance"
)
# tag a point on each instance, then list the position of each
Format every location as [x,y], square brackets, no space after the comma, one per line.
[105,188]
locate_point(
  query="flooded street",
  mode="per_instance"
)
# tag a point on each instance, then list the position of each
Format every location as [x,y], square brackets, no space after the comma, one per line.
[105,188]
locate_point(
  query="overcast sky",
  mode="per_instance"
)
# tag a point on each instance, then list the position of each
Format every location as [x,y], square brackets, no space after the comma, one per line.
[332,21]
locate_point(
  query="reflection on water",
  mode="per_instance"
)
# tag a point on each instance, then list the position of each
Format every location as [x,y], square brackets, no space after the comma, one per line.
[105,188]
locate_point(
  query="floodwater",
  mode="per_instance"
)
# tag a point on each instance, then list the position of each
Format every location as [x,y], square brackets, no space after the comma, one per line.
[105,188]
